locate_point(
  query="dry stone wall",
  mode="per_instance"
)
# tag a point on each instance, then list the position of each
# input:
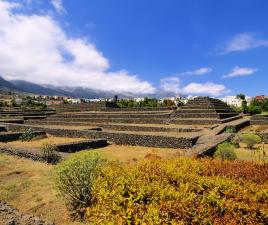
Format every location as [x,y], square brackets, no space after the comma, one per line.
[183,142]
[24,153]
[259,120]
[82,145]
[13,136]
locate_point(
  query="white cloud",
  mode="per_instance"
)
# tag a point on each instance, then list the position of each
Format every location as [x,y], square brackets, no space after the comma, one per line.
[243,42]
[35,48]
[240,71]
[57,4]
[170,84]
[206,88]
[198,72]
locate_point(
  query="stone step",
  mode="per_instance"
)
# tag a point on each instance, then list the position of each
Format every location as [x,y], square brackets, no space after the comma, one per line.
[87,116]
[202,121]
[205,99]
[259,117]
[114,113]
[206,103]
[120,127]
[20,121]
[111,120]
[258,122]
[205,115]
[139,109]
[206,108]
[231,119]
[206,145]
[195,121]
[203,111]
[3,129]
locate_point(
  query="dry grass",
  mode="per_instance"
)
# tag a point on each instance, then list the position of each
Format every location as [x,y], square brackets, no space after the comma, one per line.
[128,154]
[28,186]
[38,143]
[255,128]
[254,155]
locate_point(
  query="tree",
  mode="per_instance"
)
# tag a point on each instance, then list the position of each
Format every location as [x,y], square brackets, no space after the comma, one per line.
[242,97]
[14,103]
[115,99]
[258,106]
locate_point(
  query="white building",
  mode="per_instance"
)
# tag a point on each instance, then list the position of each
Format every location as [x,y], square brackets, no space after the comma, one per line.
[74,100]
[234,101]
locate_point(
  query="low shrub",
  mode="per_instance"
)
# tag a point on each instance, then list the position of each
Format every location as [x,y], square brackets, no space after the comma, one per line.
[28,135]
[230,129]
[49,153]
[74,179]
[236,141]
[225,151]
[237,170]
[255,109]
[250,139]
[173,192]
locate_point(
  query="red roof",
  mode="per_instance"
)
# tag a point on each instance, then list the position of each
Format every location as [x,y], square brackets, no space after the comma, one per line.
[261,97]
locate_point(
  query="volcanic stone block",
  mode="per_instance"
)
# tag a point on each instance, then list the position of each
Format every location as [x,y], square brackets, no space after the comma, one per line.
[13,136]
[82,145]
[203,111]
[259,120]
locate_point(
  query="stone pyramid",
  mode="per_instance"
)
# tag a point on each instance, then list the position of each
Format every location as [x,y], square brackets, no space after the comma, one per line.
[204,111]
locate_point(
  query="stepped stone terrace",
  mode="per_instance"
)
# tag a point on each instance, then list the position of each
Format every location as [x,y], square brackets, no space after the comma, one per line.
[169,127]
[204,110]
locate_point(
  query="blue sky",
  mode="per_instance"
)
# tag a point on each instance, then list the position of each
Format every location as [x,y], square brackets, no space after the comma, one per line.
[192,47]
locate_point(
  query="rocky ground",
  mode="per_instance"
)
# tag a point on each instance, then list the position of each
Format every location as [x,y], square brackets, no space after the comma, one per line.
[11,216]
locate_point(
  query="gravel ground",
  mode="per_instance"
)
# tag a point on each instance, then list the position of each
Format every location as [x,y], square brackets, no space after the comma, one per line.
[11,216]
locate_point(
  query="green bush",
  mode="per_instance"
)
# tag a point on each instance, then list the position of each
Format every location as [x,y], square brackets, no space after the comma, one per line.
[74,179]
[255,109]
[250,139]
[225,151]
[29,103]
[28,135]
[230,129]
[259,104]
[49,153]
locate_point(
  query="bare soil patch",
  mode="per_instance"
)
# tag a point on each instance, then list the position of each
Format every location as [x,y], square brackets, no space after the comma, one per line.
[128,154]
[255,128]
[38,143]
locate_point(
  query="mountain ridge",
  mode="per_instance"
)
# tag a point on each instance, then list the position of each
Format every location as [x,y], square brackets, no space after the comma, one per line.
[75,92]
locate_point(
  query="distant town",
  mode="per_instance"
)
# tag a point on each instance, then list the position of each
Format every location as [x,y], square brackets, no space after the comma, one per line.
[177,100]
